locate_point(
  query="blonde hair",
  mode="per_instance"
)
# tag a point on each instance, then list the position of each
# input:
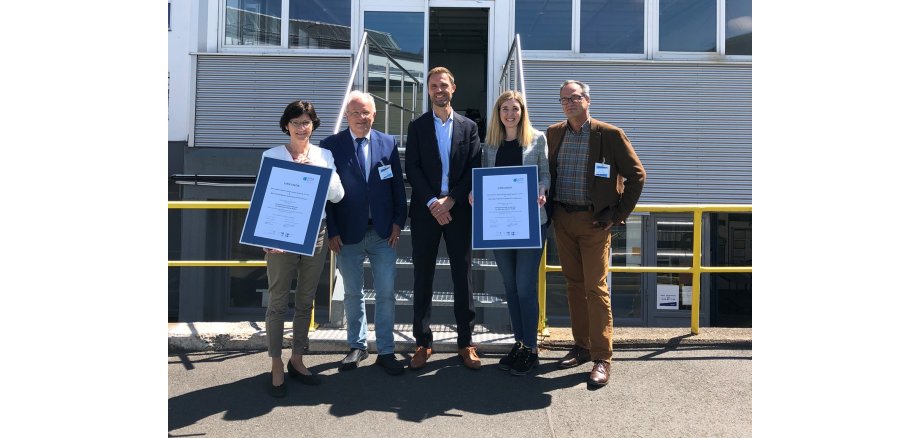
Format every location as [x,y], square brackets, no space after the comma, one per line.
[439,70]
[496,131]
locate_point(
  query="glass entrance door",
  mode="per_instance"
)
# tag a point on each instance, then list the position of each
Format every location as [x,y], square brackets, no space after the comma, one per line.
[396,60]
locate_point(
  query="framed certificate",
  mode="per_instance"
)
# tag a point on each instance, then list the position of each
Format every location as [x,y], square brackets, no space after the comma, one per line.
[505,210]
[287,206]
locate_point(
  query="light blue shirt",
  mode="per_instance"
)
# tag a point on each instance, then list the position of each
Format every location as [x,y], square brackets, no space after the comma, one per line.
[367,152]
[444,132]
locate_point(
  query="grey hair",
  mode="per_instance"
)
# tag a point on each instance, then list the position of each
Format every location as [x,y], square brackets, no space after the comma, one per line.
[585,88]
[366,97]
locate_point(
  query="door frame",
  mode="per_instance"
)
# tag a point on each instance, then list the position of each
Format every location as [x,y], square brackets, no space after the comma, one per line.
[498,12]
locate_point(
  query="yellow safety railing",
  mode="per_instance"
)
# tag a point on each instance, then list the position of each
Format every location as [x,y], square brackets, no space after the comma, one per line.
[236,205]
[696,268]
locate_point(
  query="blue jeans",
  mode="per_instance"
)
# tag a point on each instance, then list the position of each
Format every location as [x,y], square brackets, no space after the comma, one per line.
[383,266]
[519,269]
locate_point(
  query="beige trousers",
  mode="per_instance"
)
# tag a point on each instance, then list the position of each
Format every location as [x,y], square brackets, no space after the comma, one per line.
[282,268]
[584,251]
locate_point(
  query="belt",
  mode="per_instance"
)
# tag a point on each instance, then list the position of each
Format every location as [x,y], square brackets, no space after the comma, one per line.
[569,208]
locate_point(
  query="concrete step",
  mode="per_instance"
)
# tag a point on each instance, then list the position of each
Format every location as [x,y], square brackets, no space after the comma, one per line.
[250,335]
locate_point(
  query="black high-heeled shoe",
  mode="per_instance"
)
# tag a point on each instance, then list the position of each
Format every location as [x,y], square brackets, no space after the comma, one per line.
[279,391]
[306,379]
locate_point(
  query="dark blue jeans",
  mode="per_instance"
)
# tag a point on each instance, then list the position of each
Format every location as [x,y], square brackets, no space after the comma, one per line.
[519,269]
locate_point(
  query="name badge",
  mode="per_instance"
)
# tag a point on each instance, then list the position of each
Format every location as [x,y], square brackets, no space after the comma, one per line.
[602,170]
[385,172]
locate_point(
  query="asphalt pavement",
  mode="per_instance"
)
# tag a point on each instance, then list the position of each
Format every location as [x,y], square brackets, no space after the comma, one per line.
[683,386]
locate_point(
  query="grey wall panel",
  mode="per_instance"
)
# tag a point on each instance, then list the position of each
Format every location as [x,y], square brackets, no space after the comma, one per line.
[239,99]
[690,123]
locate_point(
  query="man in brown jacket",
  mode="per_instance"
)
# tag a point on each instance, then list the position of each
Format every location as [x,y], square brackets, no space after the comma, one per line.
[596,182]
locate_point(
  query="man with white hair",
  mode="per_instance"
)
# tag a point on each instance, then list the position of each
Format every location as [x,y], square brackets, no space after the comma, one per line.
[367,162]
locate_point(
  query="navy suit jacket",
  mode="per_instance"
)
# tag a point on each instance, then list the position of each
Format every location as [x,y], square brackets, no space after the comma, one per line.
[386,198]
[423,162]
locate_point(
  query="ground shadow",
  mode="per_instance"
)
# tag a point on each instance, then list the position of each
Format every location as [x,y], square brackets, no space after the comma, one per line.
[444,388]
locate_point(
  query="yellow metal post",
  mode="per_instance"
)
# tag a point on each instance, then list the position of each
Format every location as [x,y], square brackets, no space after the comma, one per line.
[697,262]
[541,297]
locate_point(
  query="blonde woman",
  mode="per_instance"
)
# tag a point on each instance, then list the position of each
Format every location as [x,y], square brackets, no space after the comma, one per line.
[512,141]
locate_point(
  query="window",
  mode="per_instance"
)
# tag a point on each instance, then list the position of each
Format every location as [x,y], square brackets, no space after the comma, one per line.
[544,24]
[253,23]
[320,25]
[636,29]
[308,24]
[738,27]
[687,26]
[616,26]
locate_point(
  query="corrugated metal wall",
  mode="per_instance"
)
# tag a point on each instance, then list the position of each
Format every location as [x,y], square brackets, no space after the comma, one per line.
[239,99]
[690,123]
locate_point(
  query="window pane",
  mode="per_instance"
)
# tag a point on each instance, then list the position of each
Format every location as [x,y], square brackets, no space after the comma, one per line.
[675,248]
[253,23]
[320,25]
[687,26]
[402,35]
[738,27]
[248,286]
[626,250]
[544,24]
[613,26]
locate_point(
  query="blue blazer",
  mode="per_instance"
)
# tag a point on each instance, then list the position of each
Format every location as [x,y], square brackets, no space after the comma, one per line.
[386,198]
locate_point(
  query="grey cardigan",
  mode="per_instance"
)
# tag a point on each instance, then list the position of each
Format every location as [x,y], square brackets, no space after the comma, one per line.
[533,154]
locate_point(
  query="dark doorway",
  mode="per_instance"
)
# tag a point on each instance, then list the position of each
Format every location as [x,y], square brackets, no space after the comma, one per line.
[458,38]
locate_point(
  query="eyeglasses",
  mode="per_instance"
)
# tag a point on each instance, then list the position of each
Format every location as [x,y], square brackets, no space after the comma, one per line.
[301,124]
[362,114]
[574,98]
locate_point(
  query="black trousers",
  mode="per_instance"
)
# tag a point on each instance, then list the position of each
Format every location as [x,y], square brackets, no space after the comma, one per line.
[426,238]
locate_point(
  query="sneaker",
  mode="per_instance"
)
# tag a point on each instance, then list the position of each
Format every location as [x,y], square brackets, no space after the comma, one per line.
[526,360]
[505,363]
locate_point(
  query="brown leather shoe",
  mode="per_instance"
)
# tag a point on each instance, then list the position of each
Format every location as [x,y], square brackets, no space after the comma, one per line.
[470,358]
[599,374]
[575,357]
[420,358]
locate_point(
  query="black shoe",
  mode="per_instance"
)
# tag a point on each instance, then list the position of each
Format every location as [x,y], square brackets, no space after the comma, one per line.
[351,359]
[526,361]
[306,379]
[389,363]
[279,391]
[505,363]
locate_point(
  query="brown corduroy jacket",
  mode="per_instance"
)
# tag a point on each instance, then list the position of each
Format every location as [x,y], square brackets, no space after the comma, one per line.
[614,198]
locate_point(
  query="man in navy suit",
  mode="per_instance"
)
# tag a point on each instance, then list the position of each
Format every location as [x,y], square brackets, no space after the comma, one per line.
[442,149]
[367,221]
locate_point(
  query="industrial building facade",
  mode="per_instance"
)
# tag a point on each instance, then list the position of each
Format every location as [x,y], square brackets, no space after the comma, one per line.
[674,74]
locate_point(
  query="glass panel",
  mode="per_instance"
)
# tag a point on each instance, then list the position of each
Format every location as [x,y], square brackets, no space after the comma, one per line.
[626,250]
[626,298]
[731,293]
[613,26]
[253,23]
[738,27]
[325,25]
[687,25]
[402,35]
[247,285]
[544,24]
[675,248]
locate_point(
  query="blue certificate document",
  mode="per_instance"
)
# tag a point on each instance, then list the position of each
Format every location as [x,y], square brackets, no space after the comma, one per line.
[505,210]
[287,204]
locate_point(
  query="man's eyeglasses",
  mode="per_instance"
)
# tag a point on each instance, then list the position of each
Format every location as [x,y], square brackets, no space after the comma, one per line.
[573,98]
[302,124]
[362,114]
